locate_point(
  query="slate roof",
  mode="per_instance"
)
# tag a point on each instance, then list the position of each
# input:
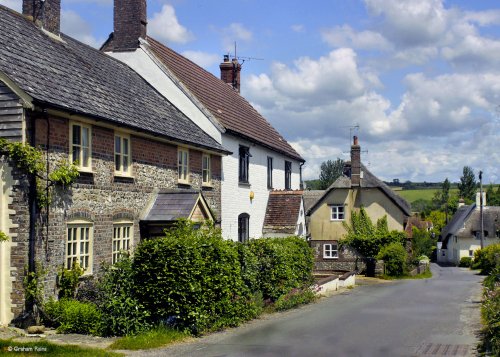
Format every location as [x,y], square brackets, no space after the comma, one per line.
[170,205]
[369,180]
[77,78]
[233,111]
[282,213]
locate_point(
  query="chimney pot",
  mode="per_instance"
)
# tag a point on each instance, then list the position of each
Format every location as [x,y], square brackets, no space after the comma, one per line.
[44,13]
[230,72]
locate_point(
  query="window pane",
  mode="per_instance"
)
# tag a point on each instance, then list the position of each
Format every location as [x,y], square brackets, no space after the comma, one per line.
[76,155]
[117,162]
[118,148]
[76,134]
[125,163]
[125,146]
[85,161]
[85,137]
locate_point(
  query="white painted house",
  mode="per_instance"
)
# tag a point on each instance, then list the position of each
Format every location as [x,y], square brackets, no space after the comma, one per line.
[461,237]
[261,160]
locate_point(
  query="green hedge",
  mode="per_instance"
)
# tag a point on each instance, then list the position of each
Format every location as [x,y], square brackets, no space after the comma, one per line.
[394,256]
[192,278]
[490,312]
[465,262]
[487,258]
[283,264]
[72,316]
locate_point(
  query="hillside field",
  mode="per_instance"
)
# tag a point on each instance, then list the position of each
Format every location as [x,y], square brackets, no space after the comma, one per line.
[425,194]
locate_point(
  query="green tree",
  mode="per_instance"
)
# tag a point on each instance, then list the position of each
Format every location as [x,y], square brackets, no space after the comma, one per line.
[330,171]
[492,196]
[368,238]
[441,198]
[438,220]
[467,185]
[423,243]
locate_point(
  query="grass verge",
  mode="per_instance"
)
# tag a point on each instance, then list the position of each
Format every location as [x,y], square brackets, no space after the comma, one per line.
[45,348]
[154,338]
[425,275]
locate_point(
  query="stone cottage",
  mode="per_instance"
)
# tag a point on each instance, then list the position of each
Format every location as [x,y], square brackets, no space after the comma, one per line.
[133,149]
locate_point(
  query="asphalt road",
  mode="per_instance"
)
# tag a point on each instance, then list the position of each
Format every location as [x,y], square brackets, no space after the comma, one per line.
[432,317]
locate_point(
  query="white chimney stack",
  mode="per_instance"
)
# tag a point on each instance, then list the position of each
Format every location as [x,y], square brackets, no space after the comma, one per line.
[478,199]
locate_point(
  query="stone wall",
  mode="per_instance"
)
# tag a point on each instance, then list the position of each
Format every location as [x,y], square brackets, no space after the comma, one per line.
[98,197]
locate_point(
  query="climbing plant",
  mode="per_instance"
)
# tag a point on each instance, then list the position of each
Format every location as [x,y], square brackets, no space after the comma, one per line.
[3,237]
[30,160]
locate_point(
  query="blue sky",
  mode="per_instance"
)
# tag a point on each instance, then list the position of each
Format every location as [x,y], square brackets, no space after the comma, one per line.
[421,78]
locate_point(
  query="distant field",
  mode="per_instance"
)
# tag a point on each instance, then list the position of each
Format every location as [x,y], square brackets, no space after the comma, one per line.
[424,194]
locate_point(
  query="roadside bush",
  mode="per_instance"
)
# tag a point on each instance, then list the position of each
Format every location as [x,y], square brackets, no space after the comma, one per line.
[490,312]
[465,262]
[72,316]
[487,258]
[192,279]
[394,256]
[294,298]
[284,264]
[122,312]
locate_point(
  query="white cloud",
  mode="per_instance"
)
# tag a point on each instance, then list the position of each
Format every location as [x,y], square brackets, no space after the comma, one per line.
[298,28]
[164,26]
[474,53]
[346,36]
[235,32]
[13,4]
[75,26]
[411,22]
[484,18]
[202,59]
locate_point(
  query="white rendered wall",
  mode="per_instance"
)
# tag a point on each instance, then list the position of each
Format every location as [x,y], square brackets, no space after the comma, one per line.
[236,197]
[157,77]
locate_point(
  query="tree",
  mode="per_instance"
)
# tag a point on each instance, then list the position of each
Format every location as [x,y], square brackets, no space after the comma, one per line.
[368,238]
[492,197]
[441,198]
[330,171]
[467,185]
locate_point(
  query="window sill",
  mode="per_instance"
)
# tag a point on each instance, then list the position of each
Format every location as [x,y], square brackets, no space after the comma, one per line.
[123,179]
[331,258]
[84,170]
[244,184]
[207,185]
[183,183]
[337,220]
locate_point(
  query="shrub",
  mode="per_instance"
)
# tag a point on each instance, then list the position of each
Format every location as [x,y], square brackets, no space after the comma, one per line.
[68,279]
[284,264]
[294,298]
[192,279]
[122,312]
[72,316]
[465,262]
[490,312]
[394,256]
[487,258]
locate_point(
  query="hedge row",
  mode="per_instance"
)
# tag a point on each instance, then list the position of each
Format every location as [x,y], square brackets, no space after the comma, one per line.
[487,258]
[194,280]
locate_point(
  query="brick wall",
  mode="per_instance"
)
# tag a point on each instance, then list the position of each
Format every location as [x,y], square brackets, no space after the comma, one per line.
[99,197]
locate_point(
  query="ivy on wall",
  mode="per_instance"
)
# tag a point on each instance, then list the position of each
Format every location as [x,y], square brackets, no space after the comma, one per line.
[30,160]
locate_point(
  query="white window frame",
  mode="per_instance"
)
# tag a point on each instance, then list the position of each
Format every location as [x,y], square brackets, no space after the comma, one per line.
[80,146]
[206,158]
[329,252]
[123,238]
[79,245]
[122,157]
[183,165]
[337,212]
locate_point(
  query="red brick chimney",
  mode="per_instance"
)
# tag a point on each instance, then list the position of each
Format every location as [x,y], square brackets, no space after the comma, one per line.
[355,163]
[130,22]
[230,72]
[45,13]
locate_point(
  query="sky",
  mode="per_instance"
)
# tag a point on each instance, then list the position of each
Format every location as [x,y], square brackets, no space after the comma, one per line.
[418,81]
